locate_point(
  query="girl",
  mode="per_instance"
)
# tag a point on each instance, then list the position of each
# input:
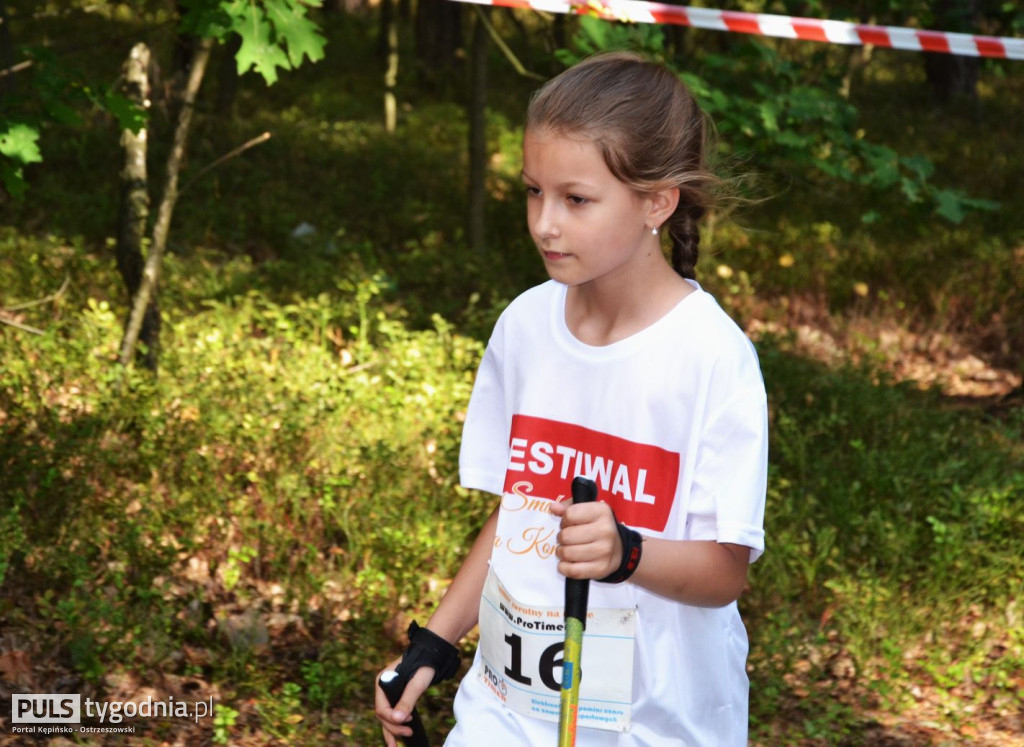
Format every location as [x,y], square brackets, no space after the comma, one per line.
[620,368]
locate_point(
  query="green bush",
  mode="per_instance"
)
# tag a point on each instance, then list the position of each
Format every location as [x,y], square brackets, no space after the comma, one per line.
[291,458]
[891,517]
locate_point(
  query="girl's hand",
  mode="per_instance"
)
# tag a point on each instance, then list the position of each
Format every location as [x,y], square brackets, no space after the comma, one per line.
[393,720]
[589,545]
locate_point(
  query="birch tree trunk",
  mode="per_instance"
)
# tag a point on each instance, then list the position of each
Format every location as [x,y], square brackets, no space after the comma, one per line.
[151,272]
[133,206]
[389,43]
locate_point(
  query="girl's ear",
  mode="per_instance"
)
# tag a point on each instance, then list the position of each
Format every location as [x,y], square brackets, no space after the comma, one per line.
[661,205]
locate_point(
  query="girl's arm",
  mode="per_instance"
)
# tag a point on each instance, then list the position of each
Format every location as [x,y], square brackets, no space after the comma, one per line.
[701,573]
[457,613]
[454,617]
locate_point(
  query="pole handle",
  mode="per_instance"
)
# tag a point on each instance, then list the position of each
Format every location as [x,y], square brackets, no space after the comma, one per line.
[576,593]
[393,684]
[577,590]
[584,490]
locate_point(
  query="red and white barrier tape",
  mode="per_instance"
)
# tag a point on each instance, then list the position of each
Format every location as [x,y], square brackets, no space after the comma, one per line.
[789,27]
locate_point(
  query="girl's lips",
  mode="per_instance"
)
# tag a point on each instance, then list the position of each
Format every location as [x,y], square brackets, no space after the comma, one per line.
[554,256]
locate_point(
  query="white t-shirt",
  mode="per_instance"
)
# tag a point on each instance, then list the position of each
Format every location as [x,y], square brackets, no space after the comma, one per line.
[671,423]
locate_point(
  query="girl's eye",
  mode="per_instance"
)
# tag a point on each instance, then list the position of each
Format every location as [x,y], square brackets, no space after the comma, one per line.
[577,201]
[532,192]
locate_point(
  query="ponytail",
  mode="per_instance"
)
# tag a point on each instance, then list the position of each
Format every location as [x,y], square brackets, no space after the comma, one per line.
[684,231]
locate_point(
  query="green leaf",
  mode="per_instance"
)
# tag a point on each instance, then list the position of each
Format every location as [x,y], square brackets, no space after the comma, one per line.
[769,116]
[19,145]
[20,142]
[950,205]
[697,85]
[259,51]
[834,167]
[596,33]
[12,179]
[61,112]
[882,163]
[792,139]
[808,103]
[205,18]
[718,101]
[130,116]
[953,204]
[566,57]
[920,165]
[295,31]
[911,189]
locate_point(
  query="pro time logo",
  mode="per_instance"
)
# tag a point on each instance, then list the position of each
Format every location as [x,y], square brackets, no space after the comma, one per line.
[46,709]
[637,480]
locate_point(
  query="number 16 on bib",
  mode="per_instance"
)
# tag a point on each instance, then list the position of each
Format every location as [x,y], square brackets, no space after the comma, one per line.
[529,663]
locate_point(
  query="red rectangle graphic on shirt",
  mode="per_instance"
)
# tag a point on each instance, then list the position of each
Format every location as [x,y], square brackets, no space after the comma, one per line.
[638,480]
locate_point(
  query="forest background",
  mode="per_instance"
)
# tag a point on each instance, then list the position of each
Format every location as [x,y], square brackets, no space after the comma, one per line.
[252,501]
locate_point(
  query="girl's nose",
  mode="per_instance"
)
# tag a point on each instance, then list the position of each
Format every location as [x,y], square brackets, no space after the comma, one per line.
[545,223]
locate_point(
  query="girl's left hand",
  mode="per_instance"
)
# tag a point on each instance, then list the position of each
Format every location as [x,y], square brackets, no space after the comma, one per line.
[589,545]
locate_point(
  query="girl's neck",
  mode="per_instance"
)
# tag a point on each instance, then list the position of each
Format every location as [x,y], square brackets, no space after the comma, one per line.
[602,313]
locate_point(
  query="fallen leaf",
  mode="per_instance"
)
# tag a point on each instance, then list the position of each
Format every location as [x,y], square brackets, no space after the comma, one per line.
[16,667]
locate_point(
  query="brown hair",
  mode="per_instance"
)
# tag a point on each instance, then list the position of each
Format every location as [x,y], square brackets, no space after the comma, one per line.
[651,131]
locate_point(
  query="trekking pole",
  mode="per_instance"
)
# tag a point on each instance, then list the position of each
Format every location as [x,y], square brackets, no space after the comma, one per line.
[393,684]
[576,593]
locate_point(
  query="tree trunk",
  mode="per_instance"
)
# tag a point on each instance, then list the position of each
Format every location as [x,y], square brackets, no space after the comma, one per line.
[953,76]
[475,228]
[389,40]
[560,34]
[151,272]
[856,60]
[227,77]
[438,37]
[678,43]
[182,52]
[133,208]
[386,20]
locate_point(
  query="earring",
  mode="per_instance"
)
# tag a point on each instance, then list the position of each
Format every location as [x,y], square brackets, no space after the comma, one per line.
[654,231]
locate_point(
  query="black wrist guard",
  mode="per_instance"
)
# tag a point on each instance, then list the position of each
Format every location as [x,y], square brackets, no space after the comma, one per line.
[632,549]
[428,649]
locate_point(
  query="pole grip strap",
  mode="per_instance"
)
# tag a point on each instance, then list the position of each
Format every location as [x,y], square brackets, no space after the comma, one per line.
[428,649]
[632,549]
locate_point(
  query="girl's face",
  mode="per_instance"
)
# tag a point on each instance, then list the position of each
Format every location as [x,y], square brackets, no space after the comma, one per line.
[586,224]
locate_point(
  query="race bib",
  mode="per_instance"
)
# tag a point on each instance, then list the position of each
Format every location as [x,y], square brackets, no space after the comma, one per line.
[521,659]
